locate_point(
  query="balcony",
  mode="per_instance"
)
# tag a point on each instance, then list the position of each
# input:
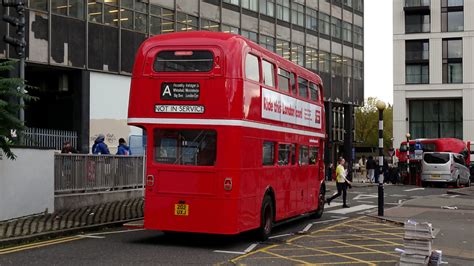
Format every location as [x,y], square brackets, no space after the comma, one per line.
[417,6]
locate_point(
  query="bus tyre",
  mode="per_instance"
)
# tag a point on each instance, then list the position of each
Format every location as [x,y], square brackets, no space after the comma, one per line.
[266,220]
[318,213]
[424,183]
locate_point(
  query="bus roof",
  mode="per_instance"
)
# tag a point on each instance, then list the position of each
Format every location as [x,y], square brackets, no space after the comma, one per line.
[227,41]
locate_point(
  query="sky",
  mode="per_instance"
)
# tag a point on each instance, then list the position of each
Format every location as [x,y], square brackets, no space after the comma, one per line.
[378,44]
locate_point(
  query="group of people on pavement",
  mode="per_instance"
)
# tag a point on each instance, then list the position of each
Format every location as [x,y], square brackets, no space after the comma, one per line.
[100,147]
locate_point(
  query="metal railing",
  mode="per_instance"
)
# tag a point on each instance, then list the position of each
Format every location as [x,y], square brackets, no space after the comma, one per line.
[47,138]
[78,173]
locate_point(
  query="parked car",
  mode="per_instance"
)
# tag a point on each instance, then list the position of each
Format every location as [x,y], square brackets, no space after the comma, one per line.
[444,167]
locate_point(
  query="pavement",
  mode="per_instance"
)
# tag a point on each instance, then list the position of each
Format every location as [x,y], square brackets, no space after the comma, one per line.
[41,226]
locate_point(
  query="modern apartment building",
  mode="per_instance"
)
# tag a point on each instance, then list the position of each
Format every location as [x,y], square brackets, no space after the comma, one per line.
[81,52]
[433,69]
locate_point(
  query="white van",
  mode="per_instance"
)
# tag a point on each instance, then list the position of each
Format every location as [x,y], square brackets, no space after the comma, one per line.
[444,167]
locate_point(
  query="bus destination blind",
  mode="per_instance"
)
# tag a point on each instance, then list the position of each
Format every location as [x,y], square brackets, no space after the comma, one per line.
[180,91]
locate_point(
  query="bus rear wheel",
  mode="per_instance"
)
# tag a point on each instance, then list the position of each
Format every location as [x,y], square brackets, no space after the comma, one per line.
[318,213]
[266,219]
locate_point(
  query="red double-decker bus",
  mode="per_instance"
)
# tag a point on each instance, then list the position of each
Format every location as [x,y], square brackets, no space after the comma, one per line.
[235,134]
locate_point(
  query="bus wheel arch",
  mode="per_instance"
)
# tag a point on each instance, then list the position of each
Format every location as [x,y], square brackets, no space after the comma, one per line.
[267,215]
[318,213]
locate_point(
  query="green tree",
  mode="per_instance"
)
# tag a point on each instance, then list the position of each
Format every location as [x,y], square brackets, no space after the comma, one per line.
[367,124]
[9,98]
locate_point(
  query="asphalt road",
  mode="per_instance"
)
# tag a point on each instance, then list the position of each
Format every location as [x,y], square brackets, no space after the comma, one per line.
[120,246]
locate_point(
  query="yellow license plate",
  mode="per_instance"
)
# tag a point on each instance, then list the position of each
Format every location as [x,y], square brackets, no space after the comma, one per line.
[435,176]
[181,209]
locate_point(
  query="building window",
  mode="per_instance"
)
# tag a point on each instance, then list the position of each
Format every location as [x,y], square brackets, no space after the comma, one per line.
[297,54]
[267,42]
[71,8]
[234,2]
[38,5]
[324,64]
[161,20]
[358,35]
[436,118]
[415,23]
[324,23]
[347,32]
[452,61]
[417,62]
[358,5]
[283,49]
[358,70]
[311,58]
[311,19]
[267,7]
[229,29]
[283,10]
[347,3]
[250,4]
[452,15]
[249,35]
[417,3]
[336,28]
[297,14]
[187,22]
[209,25]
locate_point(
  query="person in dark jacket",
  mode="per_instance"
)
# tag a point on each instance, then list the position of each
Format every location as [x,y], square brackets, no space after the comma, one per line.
[122,148]
[370,166]
[99,146]
[68,148]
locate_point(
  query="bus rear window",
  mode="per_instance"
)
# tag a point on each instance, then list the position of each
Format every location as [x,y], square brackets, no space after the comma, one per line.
[184,61]
[185,146]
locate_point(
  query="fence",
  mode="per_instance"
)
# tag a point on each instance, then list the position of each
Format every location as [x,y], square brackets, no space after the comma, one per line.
[74,173]
[47,138]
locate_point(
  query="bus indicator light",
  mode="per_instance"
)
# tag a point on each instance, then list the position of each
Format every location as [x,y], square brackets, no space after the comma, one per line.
[228,183]
[150,180]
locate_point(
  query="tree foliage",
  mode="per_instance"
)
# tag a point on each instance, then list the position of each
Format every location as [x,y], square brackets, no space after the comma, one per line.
[367,124]
[9,107]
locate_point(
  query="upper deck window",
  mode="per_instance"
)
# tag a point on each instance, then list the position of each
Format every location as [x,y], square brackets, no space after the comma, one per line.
[303,87]
[268,73]
[283,80]
[184,61]
[251,67]
[314,92]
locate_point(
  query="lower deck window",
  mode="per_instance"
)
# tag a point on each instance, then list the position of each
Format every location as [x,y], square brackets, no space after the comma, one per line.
[268,153]
[185,146]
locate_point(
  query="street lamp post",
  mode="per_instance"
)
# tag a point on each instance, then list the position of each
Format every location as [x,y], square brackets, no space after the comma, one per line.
[408,157]
[381,107]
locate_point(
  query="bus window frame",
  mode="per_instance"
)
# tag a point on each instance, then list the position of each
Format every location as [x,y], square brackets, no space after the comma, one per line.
[275,82]
[259,60]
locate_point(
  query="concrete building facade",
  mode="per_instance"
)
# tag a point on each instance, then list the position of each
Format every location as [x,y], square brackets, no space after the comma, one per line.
[80,54]
[433,69]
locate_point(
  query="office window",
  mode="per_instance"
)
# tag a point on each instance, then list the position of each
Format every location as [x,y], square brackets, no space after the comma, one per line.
[336,65]
[311,58]
[311,19]
[283,49]
[209,25]
[297,14]
[347,3]
[249,35]
[417,3]
[324,23]
[347,32]
[161,20]
[229,29]
[358,70]
[452,15]
[452,61]
[234,2]
[268,70]
[250,4]
[186,22]
[283,10]
[267,7]
[324,64]
[95,11]
[436,118]
[417,62]
[336,28]
[302,87]
[358,35]
[38,5]
[251,67]
[415,23]
[297,54]
[267,42]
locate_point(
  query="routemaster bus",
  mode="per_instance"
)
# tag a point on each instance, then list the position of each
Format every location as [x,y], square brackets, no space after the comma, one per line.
[235,134]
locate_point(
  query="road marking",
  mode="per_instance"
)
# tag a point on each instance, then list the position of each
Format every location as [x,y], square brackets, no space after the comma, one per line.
[38,245]
[333,204]
[250,248]
[365,196]
[277,236]
[398,195]
[414,189]
[454,196]
[91,236]
[353,209]
[116,232]
[307,227]
[365,201]
[230,252]
[400,201]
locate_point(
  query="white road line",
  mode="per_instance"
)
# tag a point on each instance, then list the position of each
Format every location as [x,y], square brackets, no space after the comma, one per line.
[250,248]
[400,201]
[277,236]
[333,204]
[397,195]
[392,203]
[365,196]
[307,227]
[116,232]
[365,201]
[91,236]
[353,209]
[454,196]
[230,252]
[414,189]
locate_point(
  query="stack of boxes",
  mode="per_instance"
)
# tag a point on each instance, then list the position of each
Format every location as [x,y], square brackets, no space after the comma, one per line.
[418,240]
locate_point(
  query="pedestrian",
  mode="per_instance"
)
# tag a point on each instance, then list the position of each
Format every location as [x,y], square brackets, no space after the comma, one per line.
[341,183]
[68,148]
[99,146]
[363,169]
[122,148]
[329,172]
[370,166]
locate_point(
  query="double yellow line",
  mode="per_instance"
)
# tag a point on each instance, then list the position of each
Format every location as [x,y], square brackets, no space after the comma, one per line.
[38,245]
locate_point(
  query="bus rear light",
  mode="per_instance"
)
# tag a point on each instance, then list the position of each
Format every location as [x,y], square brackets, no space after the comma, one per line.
[228,183]
[150,180]
[183,53]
